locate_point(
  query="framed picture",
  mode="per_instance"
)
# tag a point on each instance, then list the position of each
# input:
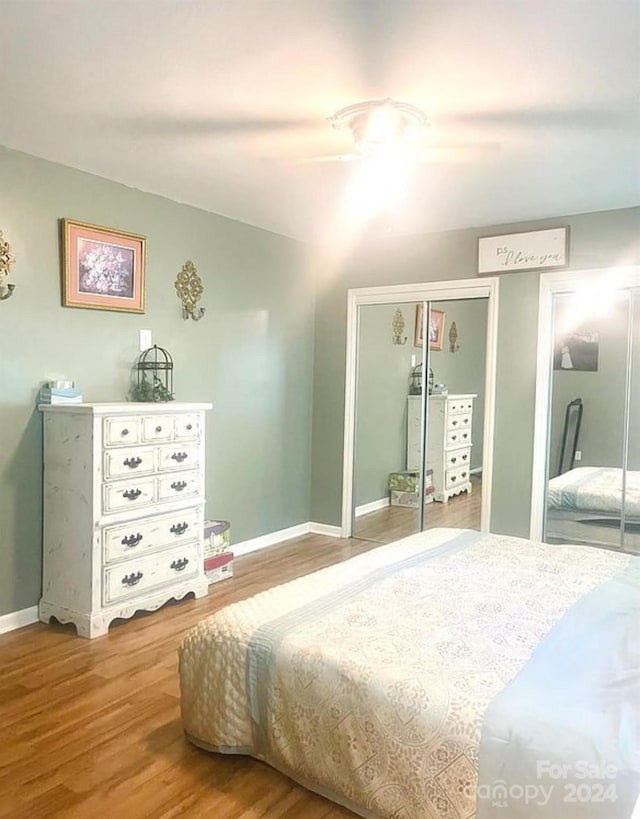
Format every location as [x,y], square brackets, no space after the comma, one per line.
[102,269]
[436,328]
[531,250]
[577,351]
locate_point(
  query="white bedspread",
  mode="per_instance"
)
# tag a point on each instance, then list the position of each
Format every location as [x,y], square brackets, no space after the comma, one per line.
[368,681]
[595,489]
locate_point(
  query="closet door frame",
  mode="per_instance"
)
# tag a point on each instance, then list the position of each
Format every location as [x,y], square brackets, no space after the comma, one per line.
[481,288]
[552,284]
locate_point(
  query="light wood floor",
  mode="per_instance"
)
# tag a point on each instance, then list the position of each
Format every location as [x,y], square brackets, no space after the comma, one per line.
[91,728]
[394,522]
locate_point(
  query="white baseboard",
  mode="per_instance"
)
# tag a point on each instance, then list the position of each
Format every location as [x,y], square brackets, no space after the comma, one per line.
[373,506]
[273,538]
[264,541]
[18,619]
[476,471]
[325,529]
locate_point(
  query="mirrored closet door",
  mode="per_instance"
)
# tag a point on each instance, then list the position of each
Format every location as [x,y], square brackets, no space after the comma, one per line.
[593,455]
[419,417]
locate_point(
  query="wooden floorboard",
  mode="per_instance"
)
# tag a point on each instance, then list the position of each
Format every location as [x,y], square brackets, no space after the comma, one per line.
[91,728]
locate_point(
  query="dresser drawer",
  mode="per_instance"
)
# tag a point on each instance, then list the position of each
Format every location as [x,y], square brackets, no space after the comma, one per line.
[132,577]
[118,431]
[157,428]
[182,485]
[187,425]
[137,537]
[128,494]
[456,405]
[458,437]
[178,456]
[129,461]
[455,477]
[460,421]
[456,458]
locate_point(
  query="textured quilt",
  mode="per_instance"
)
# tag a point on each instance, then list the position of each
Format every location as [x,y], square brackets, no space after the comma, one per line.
[595,489]
[395,683]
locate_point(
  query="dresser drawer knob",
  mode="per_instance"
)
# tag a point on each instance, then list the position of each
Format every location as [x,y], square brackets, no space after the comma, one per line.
[132,540]
[132,579]
[132,463]
[158,428]
[454,437]
[179,456]
[464,475]
[132,494]
[454,423]
[453,479]
[125,431]
[179,528]
[453,460]
[179,485]
[464,457]
[189,427]
[465,436]
[180,565]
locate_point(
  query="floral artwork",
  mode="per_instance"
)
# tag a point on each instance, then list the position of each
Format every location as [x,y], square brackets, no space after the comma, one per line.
[106,269]
[103,269]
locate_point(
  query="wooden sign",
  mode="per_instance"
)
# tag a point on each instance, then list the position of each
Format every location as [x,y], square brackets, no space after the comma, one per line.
[534,250]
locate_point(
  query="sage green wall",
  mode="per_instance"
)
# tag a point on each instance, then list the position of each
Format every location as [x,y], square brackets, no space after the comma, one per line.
[464,371]
[251,355]
[383,385]
[602,392]
[597,240]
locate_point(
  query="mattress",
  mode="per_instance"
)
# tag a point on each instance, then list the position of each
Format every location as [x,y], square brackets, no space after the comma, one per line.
[595,490]
[432,677]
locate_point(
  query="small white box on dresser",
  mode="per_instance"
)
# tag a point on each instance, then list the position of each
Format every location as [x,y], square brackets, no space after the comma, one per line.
[123,510]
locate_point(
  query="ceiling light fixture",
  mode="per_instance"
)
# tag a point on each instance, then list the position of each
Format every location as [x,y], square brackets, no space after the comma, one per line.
[380,125]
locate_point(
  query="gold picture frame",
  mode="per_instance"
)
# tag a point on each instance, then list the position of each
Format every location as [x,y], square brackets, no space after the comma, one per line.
[102,268]
[436,329]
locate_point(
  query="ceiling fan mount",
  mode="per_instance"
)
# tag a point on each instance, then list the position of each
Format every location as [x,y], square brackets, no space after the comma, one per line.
[380,124]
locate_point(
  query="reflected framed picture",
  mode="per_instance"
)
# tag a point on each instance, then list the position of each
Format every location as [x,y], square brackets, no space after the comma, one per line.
[102,268]
[436,328]
[577,351]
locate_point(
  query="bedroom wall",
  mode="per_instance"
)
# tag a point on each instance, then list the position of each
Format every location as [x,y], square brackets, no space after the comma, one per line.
[383,383]
[597,240]
[464,370]
[251,355]
[602,393]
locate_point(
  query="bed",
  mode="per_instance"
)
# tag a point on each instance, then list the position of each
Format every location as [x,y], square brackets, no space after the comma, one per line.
[448,675]
[584,506]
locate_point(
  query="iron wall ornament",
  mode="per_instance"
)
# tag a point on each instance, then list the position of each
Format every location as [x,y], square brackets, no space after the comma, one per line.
[453,338]
[398,328]
[6,260]
[189,288]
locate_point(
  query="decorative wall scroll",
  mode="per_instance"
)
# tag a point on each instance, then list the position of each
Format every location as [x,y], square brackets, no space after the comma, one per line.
[189,288]
[397,325]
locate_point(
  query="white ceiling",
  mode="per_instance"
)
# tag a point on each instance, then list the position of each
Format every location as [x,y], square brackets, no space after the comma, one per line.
[146,92]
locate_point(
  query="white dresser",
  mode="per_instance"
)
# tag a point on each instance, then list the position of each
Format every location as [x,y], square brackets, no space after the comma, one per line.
[449,443]
[123,510]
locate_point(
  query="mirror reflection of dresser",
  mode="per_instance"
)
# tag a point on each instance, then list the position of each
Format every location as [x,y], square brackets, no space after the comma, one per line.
[449,441]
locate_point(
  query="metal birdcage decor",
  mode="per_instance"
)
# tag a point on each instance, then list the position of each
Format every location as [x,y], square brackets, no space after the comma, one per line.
[154,375]
[415,380]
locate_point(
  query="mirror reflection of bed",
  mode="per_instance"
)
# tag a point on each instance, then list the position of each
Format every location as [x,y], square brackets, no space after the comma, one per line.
[593,492]
[387,426]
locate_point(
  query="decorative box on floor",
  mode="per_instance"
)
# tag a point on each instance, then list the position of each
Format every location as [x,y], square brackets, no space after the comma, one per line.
[218,559]
[403,488]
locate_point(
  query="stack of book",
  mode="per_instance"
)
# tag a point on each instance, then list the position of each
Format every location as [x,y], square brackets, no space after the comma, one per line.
[60,392]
